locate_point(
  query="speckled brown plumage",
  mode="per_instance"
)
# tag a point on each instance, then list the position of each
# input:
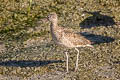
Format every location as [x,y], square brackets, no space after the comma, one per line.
[66,37]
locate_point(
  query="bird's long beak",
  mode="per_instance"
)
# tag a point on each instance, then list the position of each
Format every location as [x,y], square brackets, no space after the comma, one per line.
[45,19]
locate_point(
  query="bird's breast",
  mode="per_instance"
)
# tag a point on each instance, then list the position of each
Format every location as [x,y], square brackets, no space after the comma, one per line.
[56,36]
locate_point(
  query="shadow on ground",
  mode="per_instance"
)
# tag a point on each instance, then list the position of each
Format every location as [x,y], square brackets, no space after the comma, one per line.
[97,39]
[116,62]
[97,20]
[29,63]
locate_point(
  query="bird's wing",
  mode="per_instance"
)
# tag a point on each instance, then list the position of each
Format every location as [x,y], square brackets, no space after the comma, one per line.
[75,39]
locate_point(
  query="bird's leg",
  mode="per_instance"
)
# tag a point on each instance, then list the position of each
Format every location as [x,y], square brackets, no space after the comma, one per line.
[66,61]
[76,66]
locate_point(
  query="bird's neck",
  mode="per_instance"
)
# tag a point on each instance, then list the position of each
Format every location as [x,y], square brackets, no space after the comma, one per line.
[54,25]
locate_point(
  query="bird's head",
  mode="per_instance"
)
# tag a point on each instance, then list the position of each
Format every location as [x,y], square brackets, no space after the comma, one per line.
[52,17]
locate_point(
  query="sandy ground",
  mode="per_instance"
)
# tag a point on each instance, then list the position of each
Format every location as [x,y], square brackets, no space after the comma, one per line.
[27,51]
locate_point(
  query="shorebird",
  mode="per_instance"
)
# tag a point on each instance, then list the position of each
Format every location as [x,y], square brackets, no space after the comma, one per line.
[67,38]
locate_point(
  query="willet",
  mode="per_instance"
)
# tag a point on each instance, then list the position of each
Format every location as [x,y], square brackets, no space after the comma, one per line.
[66,37]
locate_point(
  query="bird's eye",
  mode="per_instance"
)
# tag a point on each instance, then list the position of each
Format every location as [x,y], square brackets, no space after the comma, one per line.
[49,16]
